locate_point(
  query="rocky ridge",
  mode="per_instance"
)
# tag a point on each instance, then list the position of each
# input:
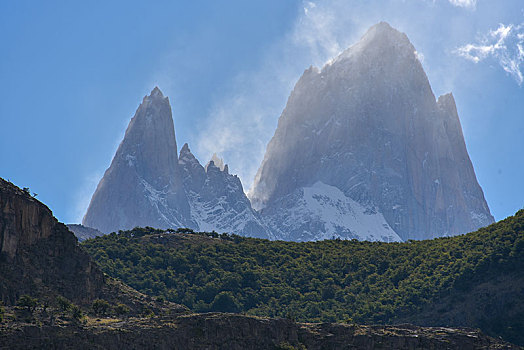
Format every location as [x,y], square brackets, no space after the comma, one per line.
[148,184]
[229,331]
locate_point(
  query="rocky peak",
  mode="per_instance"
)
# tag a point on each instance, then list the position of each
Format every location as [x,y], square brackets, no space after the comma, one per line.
[156,93]
[216,161]
[368,124]
[146,162]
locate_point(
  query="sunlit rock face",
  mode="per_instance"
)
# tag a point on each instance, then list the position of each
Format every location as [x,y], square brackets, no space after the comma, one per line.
[367,129]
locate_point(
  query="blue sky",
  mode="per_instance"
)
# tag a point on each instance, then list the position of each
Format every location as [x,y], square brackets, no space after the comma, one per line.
[72,74]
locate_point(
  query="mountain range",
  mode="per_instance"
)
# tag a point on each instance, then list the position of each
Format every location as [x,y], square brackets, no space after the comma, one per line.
[363,150]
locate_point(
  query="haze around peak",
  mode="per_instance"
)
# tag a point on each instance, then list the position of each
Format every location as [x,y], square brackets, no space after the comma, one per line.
[228,70]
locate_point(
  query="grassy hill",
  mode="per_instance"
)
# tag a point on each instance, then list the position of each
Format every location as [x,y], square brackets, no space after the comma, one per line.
[474,280]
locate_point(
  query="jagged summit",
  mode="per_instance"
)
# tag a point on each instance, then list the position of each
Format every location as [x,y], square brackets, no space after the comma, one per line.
[367,127]
[216,161]
[381,39]
[156,92]
[142,186]
[148,184]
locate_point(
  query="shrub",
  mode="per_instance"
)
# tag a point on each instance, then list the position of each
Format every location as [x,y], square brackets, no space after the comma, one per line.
[121,309]
[64,305]
[101,307]
[76,312]
[27,302]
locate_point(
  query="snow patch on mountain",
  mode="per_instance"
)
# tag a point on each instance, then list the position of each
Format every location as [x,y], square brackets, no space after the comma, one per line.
[322,212]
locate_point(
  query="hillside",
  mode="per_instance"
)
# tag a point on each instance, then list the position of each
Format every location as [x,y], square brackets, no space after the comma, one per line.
[54,296]
[473,280]
[41,258]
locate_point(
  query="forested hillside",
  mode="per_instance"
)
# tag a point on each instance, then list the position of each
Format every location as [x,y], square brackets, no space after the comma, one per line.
[332,280]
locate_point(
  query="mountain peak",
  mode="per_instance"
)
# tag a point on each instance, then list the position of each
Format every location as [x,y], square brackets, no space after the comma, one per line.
[381,42]
[368,130]
[156,92]
[185,149]
[216,161]
[384,30]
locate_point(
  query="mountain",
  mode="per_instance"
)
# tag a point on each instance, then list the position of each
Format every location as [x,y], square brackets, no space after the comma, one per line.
[83,232]
[143,186]
[472,280]
[147,183]
[363,140]
[217,199]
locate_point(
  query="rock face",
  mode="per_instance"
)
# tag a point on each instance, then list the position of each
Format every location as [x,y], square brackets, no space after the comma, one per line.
[83,232]
[142,187]
[38,253]
[147,184]
[217,199]
[367,132]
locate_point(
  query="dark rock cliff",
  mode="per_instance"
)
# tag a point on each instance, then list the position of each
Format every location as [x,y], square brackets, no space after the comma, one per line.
[227,331]
[39,253]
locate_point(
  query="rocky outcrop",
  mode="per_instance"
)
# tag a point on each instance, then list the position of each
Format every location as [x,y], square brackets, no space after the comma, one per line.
[369,125]
[83,232]
[23,222]
[39,253]
[227,331]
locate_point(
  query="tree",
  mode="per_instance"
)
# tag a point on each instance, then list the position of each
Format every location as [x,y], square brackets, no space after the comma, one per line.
[27,302]
[77,313]
[225,302]
[121,309]
[100,307]
[63,304]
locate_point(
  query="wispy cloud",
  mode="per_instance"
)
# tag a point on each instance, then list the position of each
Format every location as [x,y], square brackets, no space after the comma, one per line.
[469,4]
[241,123]
[83,196]
[505,45]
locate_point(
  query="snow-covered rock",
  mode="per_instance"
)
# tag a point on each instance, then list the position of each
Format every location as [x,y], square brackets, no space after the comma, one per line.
[217,198]
[147,184]
[143,185]
[323,212]
[369,125]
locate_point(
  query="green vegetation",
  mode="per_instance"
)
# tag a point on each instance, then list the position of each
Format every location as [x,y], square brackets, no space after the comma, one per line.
[101,307]
[27,302]
[332,280]
[64,305]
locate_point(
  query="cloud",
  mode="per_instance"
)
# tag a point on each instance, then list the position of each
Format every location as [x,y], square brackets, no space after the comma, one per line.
[316,30]
[469,4]
[241,122]
[504,45]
